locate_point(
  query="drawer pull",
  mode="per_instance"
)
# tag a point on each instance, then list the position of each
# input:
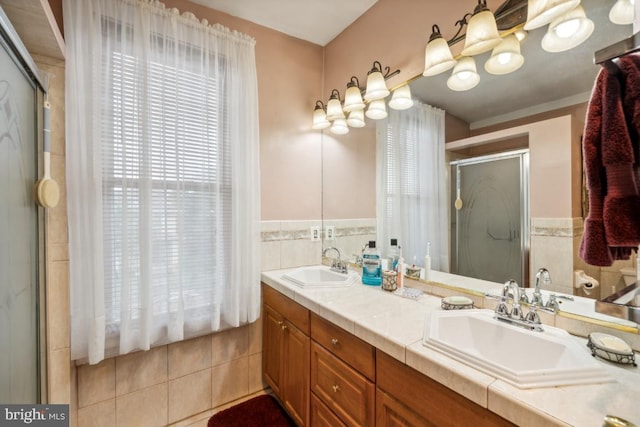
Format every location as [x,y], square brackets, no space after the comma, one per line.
[283,327]
[280,323]
[335,388]
[334,341]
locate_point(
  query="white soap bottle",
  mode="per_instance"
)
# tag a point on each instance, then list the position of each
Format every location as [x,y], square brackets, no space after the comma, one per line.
[427,263]
[400,267]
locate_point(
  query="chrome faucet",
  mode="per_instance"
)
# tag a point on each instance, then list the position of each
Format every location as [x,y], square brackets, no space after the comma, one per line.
[515,316]
[543,274]
[336,263]
[516,310]
[324,253]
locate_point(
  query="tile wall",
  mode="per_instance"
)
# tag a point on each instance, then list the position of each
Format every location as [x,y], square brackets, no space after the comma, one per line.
[555,245]
[288,244]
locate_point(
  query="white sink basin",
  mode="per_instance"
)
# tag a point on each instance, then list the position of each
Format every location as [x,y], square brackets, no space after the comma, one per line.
[525,359]
[320,276]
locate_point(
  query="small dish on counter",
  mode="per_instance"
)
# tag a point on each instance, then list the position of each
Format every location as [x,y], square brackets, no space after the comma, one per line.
[611,348]
[456,303]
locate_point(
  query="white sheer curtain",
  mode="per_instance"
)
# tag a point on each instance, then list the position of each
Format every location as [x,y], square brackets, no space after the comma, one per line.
[162,176]
[411,197]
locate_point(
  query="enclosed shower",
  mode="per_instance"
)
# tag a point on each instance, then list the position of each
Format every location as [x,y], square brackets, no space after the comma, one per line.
[490,217]
[21,103]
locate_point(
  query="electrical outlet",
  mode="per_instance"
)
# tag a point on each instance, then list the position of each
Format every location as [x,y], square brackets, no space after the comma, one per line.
[329,232]
[315,233]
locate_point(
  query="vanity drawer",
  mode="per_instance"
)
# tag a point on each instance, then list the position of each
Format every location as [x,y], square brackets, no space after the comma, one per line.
[351,349]
[288,308]
[346,392]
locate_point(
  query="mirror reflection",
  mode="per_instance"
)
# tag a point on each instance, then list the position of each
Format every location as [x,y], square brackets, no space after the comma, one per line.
[539,109]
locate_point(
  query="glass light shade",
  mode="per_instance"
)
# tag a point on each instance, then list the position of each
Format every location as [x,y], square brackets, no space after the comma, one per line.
[623,12]
[356,119]
[334,109]
[482,34]
[437,56]
[377,110]
[376,87]
[506,57]
[353,99]
[521,34]
[542,12]
[567,31]
[320,119]
[464,75]
[401,99]
[339,127]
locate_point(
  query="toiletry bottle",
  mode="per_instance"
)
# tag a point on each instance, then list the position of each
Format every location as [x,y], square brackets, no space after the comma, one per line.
[393,255]
[400,267]
[371,266]
[427,263]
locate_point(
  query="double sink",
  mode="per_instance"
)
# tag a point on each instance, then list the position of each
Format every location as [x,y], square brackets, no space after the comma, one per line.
[523,358]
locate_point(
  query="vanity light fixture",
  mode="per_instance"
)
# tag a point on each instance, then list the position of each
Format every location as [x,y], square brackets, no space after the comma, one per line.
[506,57]
[376,86]
[482,31]
[542,12]
[623,12]
[377,110]
[464,75]
[334,106]
[356,119]
[353,96]
[332,115]
[437,56]
[401,98]
[339,127]
[568,31]
[320,117]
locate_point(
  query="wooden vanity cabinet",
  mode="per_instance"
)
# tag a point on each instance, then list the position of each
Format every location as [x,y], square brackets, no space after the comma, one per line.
[327,377]
[405,397]
[342,376]
[286,352]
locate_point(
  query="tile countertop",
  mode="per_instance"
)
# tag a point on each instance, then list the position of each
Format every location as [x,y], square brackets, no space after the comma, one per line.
[395,325]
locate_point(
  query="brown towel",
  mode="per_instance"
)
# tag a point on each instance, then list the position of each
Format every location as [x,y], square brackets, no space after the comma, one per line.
[610,149]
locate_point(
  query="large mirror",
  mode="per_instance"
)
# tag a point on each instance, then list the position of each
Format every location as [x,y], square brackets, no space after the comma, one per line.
[547,86]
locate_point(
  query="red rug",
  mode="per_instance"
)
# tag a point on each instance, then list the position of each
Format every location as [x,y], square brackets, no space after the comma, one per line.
[261,411]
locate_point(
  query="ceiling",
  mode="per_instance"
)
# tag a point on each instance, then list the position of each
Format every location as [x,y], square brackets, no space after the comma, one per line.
[546,81]
[317,21]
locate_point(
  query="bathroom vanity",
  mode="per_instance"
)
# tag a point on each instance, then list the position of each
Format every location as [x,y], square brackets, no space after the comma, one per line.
[358,360]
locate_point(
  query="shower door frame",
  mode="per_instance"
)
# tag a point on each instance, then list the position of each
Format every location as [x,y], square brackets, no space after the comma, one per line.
[14,47]
[523,155]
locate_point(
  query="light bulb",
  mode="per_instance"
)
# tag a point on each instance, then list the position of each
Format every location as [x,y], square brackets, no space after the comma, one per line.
[504,58]
[567,28]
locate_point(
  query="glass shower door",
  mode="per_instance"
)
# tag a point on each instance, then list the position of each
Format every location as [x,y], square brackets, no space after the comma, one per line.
[490,229]
[18,235]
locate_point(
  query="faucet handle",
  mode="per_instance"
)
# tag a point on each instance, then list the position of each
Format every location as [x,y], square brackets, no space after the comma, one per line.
[552,303]
[502,306]
[533,316]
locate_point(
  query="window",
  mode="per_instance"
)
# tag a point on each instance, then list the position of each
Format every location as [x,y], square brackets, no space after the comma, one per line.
[162,177]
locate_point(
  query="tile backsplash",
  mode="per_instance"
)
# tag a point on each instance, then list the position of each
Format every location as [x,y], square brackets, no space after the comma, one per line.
[288,244]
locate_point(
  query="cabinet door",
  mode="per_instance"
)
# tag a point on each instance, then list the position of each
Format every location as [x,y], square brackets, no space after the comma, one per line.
[272,349]
[321,416]
[295,382]
[391,413]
